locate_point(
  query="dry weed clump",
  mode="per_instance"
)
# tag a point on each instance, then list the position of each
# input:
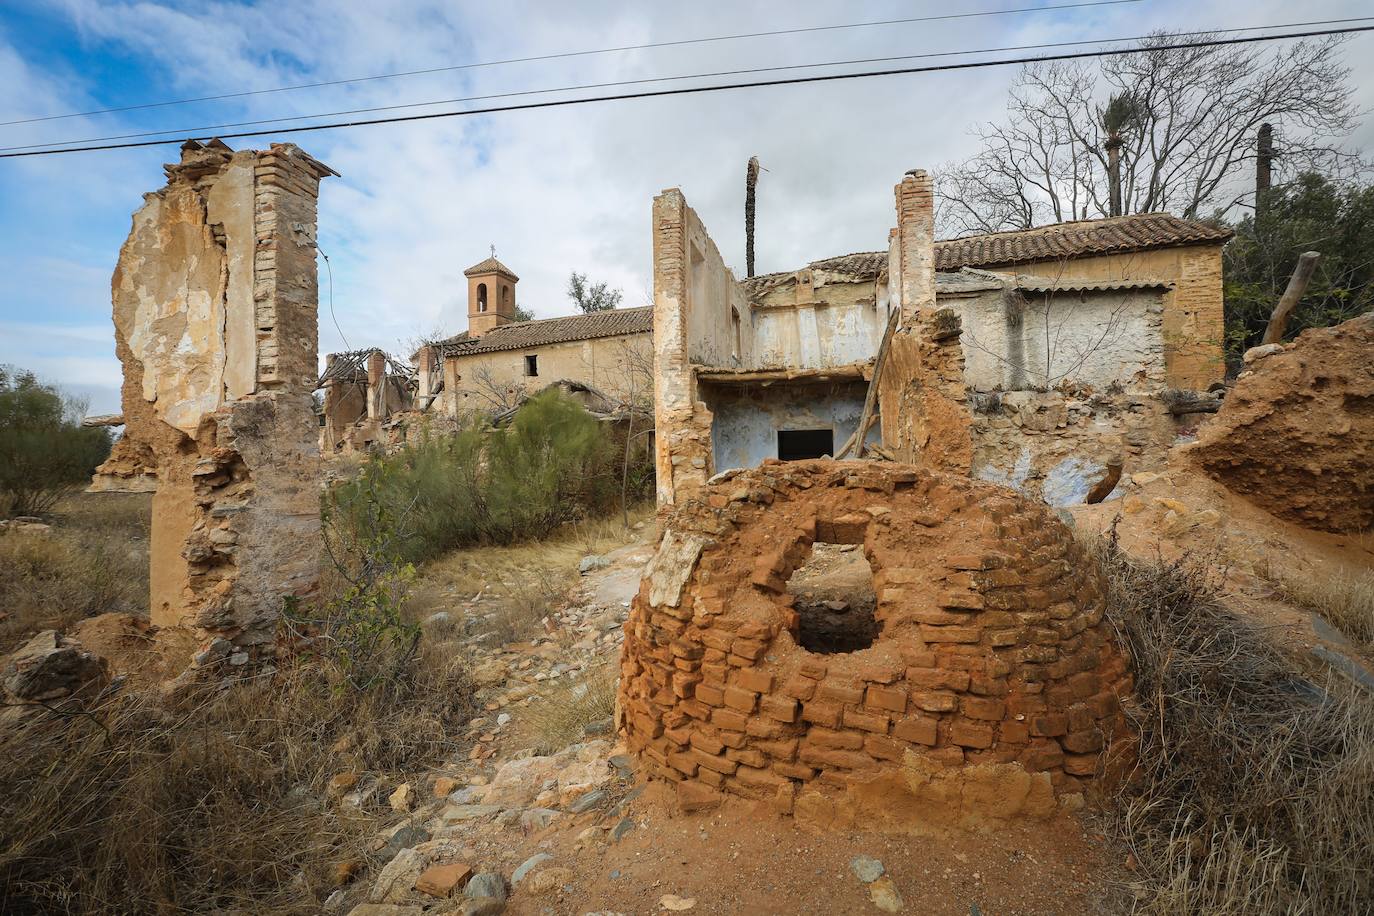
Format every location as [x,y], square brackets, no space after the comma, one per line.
[1345,599]
[560,716]
[1254,790]
[93,561]
[214,802]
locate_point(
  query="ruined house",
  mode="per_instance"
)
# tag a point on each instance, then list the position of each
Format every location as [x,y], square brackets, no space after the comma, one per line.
[362,390]
[1058,345]
[499,360]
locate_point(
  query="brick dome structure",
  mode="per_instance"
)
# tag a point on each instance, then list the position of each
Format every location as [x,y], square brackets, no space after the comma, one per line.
[973,680]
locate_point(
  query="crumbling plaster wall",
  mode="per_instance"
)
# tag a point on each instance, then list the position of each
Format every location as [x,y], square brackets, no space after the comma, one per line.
[1192,322]
[620,366]
[1013,340]
[214,300]
[746,419]
[693,294]
[824,318]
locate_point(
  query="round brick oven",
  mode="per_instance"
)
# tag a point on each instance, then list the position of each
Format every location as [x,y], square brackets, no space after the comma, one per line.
[970,679]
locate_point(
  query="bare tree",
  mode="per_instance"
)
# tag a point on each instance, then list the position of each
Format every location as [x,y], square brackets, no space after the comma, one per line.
[497,395]
[1176,125]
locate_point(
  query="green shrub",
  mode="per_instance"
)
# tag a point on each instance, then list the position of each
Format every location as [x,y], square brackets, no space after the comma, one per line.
[44,451]
[553,465]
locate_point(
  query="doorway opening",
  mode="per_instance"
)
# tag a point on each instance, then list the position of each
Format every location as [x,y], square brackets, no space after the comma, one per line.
[799,444]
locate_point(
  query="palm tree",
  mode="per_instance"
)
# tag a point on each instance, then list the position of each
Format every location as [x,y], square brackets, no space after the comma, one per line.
[1123,112]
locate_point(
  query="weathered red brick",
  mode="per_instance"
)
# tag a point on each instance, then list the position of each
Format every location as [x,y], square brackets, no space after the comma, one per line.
[868,721]
[917,729]
[967,733]
[784,709]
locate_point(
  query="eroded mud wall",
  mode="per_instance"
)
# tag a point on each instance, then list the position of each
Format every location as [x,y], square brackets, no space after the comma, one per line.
[215,297]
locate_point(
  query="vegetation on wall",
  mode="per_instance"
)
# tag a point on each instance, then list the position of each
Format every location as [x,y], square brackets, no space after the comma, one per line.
[1311,213]
[45,452]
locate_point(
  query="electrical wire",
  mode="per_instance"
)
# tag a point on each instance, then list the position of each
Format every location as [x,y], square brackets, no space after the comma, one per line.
[183,131]
[567,54]
[722,87]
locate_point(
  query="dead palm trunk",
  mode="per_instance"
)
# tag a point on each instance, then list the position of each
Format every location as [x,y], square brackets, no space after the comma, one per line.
[1113,146]
[751,180]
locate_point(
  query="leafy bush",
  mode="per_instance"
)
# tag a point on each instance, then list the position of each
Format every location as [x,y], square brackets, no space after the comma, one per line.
[1312,212]
[553,465]
[44,450]
[1254,790]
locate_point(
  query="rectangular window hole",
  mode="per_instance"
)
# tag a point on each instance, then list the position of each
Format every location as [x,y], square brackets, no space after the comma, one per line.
[531,365]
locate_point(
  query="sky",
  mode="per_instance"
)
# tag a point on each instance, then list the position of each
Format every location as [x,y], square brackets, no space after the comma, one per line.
[554,190]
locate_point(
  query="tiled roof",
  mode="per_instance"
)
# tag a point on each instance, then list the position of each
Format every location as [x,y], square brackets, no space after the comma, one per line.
[490,266]
[1062,240]
[1083,237]
[523,335]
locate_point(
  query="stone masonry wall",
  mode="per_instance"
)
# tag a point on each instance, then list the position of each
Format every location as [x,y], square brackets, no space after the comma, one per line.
[991,687]
[215,326]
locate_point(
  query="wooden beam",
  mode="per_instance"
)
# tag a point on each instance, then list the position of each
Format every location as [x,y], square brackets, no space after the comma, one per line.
[1297,285]
[848,372]
[856,441]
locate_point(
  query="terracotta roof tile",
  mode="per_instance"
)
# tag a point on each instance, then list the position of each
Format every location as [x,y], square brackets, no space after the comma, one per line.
[1140,232]
[523,335]
[490,266]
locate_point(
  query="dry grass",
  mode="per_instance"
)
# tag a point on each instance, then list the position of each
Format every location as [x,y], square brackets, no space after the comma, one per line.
[213,803]
[561,714]
[94,561]
[521,582]
[1345,599]
[1254,791]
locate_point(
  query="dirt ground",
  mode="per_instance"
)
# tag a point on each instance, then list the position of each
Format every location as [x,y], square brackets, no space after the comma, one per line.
[742,862]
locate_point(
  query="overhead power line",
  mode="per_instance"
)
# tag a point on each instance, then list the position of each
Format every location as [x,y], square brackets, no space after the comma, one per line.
[566,54]
[214,128]
[721,87]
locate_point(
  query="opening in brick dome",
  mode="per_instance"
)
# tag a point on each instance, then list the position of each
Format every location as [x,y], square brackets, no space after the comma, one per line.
[835,600]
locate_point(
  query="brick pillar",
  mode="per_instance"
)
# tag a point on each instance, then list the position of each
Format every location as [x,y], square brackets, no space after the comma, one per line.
[921,396]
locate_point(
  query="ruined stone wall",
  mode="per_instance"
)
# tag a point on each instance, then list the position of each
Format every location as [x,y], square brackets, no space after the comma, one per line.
[921,394]
[215,299]
[991,687]
[682,422]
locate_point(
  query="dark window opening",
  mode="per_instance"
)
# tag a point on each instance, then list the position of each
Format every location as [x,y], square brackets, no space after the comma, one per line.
[735,330]
[835,600]
[797,444]
[531,365]
[481,297]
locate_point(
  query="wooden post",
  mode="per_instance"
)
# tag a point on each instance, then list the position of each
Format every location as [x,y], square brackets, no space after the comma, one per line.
[1297,285]
[856,441]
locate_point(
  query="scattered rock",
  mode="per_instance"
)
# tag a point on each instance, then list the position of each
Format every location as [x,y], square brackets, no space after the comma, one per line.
[483,906]
[676,903]
[398,877]
[1254,354]
[403,799]
[619,831]
[536,819]
[404,838]
[442,880]
[445,785]
[341,783]
[528,866]
[50,666]
[866,868]
[486,884]
[588,802]
[590,563]
[547,880]
[346,871]
[884,895]
[385,909]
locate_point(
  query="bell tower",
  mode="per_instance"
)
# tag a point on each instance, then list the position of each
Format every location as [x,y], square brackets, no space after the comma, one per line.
[491,295]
